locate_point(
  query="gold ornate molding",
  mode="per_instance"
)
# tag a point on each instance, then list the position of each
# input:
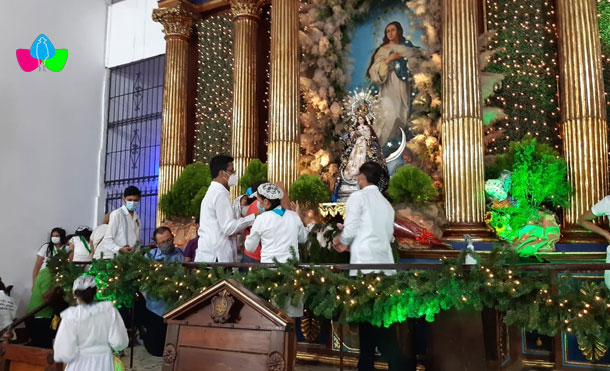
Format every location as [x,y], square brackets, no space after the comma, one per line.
[246,8]
[332,208]
[177,20]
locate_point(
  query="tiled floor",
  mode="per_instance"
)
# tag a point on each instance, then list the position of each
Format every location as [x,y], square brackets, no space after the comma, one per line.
[144,361]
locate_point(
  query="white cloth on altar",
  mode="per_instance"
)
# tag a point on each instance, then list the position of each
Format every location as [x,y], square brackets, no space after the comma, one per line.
[276,234]
[87,335]
[394,93]
[217,225]
[123,229]
[368,229]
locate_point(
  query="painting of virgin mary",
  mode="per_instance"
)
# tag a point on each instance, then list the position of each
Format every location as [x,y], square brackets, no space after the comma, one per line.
[389,70]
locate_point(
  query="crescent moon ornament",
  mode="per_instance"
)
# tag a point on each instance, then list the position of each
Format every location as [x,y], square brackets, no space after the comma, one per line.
[403,143]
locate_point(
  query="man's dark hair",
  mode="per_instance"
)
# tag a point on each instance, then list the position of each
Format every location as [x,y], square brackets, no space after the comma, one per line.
[86,295]
[132,191]
[219,163]
[160,230]
[372,171]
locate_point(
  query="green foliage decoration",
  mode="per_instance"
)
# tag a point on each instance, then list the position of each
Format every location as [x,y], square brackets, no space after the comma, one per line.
[539,181]
[184,199]
[506,160]
[411,185]
[255,171]
[309,190]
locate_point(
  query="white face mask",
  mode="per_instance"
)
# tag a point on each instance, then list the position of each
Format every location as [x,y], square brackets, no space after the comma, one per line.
[56,240]
[244,210]
[232,180]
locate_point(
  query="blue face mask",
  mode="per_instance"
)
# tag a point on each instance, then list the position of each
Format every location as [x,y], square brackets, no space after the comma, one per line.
[260,209]
[131,205]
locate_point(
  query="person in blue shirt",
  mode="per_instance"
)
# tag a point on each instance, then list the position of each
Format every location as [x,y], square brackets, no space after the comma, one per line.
[153,328]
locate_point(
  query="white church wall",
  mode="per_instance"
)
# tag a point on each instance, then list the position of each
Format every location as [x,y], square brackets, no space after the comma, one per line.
[132,35]
[51,130]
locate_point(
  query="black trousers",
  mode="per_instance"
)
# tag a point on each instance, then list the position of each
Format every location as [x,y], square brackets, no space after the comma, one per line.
[40,332]
[152,331]
[400,357]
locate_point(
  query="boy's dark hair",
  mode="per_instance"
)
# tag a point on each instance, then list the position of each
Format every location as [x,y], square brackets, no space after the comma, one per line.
[160,230]
[372,171]
[86,295]
[132,191]
[274,203]
[219,163]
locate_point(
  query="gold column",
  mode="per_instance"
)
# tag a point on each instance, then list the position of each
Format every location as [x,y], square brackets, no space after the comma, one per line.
[177,24]
[283,150]
[244,139]
[583,110]
[462,130]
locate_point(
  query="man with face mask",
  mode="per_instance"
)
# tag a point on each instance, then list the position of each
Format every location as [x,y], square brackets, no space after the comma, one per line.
[217,222]
[123,232]
[153,329]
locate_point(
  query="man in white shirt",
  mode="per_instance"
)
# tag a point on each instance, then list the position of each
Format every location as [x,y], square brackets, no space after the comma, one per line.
[123,232]
[217,222]
[367,233]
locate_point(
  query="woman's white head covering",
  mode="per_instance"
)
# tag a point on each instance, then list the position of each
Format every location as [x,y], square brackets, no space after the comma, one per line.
[83,283]
[270,191]
[237,206]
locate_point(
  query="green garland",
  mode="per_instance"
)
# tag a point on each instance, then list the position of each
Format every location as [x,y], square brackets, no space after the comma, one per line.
[525,296]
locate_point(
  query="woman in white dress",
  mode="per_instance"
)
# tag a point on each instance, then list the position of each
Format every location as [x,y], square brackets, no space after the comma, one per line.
[89,331]
[389,71]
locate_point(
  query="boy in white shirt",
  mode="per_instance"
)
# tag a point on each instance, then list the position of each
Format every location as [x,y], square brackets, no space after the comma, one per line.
[123,233]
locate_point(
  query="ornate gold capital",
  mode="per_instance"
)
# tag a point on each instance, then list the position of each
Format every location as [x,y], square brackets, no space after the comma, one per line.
[177,21]
[246,8]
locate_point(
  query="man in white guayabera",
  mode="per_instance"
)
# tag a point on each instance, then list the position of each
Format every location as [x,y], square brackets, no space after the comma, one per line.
[217,223]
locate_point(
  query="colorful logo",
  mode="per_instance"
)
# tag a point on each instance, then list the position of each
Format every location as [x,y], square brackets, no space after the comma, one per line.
[43,55]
